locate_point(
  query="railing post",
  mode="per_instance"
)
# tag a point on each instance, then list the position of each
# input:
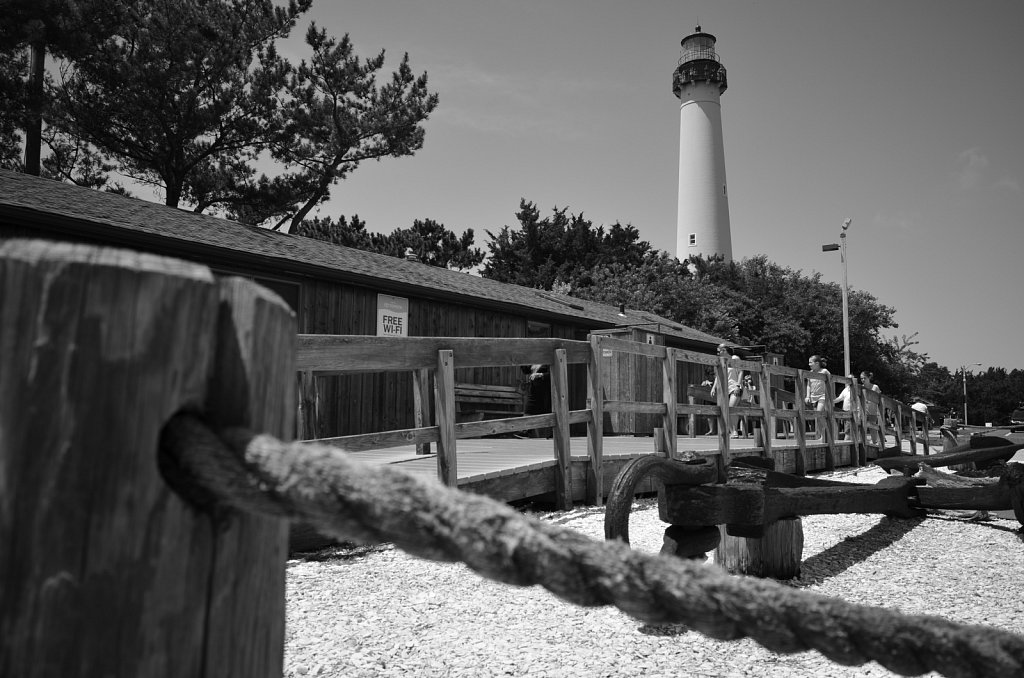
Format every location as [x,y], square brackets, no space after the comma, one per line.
[692,421]
[309,407]
[115,573]
[724,423]
[768,410]
[828,429]
[595,427]
[668,390]
[421,404]
[913,430]
[856,424]
[800,425]
[444,400]
[898,432]
[924,433]
[560,431]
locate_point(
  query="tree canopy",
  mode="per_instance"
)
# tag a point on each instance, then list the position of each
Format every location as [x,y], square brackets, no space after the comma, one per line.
[192,97]
[30,29]
[560,248]
[428,240]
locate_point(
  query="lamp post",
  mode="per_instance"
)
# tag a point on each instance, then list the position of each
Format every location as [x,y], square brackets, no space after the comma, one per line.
[841,246]
[963,372]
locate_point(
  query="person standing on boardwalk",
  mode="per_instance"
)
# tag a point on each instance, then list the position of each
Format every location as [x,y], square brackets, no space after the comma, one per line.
[919,406]
[816,387]
[538,393]
[735,379]
[871,409]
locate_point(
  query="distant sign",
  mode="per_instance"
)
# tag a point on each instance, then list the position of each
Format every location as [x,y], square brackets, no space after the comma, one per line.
[392,316]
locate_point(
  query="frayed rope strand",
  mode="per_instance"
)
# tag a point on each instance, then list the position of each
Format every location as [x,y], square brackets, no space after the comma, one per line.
[354,501]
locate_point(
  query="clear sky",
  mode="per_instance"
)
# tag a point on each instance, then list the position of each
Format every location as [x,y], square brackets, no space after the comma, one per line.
[904,116]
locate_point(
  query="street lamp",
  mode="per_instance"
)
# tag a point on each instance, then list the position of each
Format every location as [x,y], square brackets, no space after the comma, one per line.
[841,246]
[963,372]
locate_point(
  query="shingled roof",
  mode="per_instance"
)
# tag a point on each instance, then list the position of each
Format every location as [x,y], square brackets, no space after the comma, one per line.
[70,210]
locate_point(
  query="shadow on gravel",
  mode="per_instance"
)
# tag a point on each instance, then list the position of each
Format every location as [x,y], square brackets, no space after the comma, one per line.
[828,563]
[663,630]
[980,521]
[342,552]
[852,550]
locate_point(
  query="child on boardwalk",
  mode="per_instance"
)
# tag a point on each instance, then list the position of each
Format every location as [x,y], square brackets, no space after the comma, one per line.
[816,387]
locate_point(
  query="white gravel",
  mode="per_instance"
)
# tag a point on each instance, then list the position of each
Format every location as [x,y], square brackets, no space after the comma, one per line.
[379,612]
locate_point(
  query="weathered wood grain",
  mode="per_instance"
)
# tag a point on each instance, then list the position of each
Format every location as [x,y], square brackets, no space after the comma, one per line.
[107,570]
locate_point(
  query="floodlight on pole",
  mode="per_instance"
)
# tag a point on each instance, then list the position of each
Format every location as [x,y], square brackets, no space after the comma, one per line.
[841,246]
[963,372]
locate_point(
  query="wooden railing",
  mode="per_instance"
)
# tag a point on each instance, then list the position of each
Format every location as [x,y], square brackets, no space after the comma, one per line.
[324,355]
[434,359]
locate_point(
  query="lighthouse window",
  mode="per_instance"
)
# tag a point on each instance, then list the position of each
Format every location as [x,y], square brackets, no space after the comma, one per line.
[723,190]
[693,239]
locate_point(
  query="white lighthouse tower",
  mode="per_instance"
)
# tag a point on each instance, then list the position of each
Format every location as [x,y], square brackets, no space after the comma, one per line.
[702,223]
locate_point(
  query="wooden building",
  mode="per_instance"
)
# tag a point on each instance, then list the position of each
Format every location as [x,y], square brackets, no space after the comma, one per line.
[339,290]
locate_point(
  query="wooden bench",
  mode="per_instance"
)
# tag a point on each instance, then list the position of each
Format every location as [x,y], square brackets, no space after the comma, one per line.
[485,401]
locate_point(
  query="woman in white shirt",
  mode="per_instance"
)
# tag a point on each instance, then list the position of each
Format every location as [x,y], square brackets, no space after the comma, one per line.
[871,409]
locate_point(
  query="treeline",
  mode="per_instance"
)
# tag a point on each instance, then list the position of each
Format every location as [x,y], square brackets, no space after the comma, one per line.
[752,302]
[992,395]
[193,98]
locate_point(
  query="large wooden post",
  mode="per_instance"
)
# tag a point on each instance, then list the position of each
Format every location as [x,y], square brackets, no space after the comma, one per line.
[107,570]
[251,385]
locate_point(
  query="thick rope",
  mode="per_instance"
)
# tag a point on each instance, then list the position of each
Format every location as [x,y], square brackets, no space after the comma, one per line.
[354,501]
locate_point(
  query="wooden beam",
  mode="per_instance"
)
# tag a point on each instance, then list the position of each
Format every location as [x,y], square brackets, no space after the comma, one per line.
[341,354]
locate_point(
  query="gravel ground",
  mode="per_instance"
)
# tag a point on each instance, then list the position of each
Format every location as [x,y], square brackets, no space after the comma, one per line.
[379,612]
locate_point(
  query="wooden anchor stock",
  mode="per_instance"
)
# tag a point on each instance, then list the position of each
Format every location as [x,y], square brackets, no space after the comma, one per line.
[757,504]
[747,508]
[979,449]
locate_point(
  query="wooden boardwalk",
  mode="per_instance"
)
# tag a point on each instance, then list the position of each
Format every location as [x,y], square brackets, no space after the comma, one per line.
[500,467]
[480,455]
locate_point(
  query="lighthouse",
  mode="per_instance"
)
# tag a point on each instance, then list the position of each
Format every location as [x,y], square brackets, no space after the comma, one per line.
[702,222]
